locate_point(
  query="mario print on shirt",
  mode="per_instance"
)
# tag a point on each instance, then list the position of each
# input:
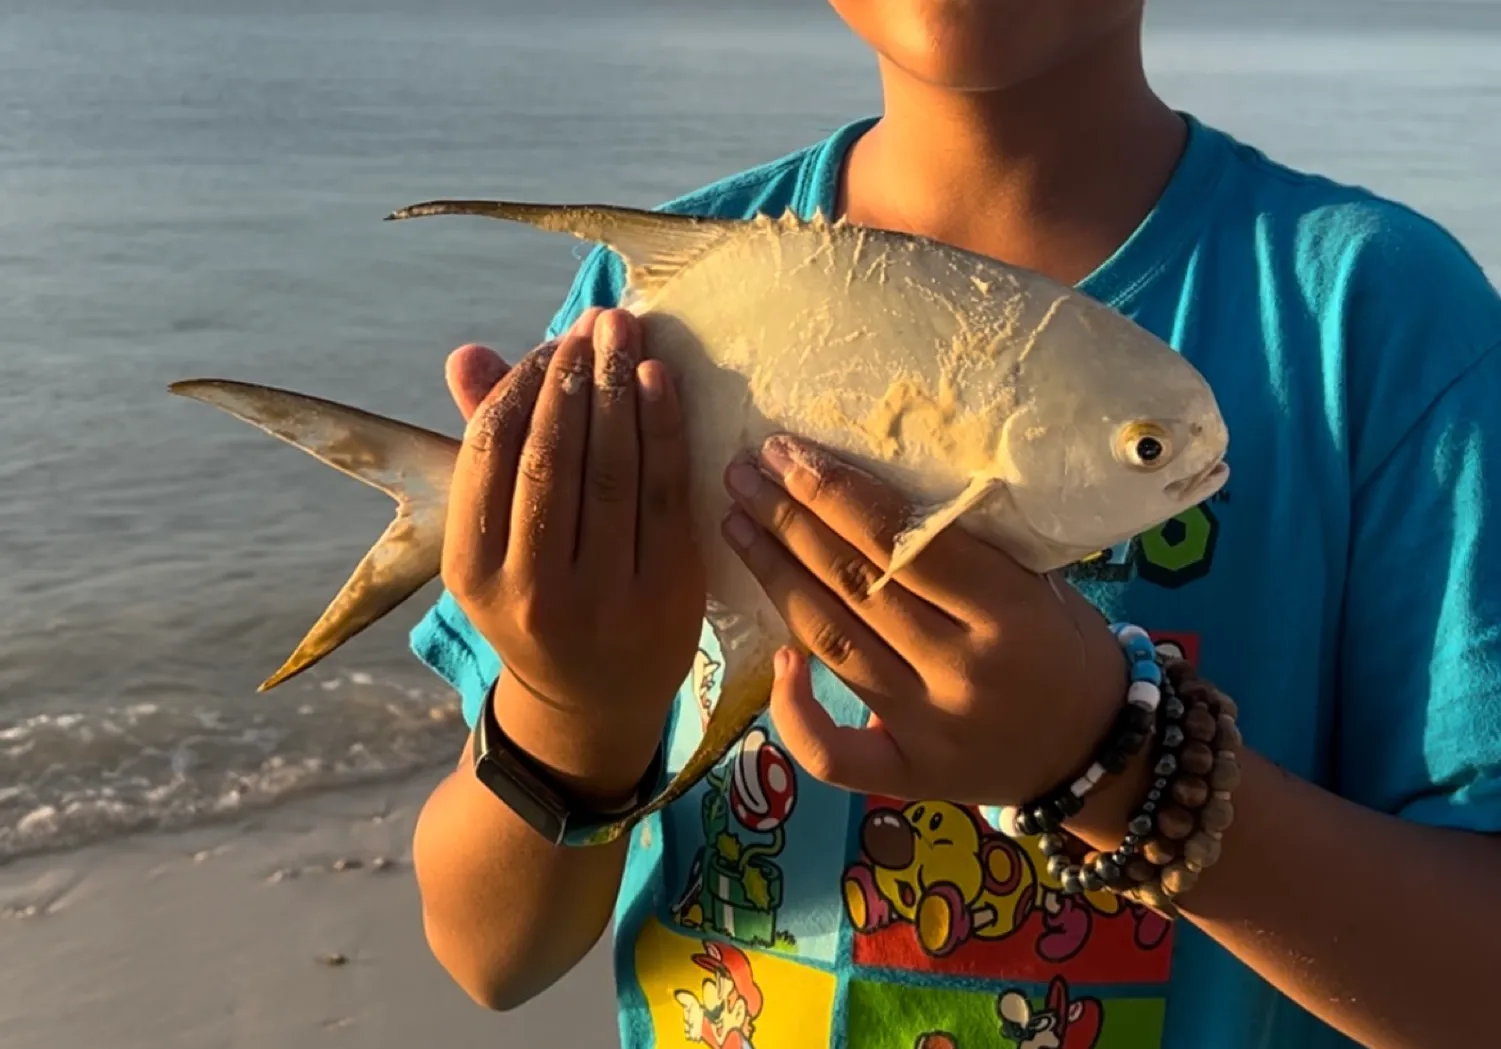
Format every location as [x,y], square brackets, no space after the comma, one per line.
[750,851]
[722,1013]
[1062,1021]
[734,886]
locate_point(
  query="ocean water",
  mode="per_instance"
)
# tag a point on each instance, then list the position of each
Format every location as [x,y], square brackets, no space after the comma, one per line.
[193,188]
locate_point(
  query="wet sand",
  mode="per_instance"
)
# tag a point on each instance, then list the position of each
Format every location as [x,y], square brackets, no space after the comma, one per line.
[299,930]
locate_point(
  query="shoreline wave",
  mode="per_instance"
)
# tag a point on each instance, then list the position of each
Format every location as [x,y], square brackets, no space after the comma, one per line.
[77,778]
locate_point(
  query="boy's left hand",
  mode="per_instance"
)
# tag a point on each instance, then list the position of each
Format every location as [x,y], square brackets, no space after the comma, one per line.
[986,684]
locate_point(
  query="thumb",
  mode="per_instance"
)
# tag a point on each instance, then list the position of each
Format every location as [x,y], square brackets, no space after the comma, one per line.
[864,760]
[472,372]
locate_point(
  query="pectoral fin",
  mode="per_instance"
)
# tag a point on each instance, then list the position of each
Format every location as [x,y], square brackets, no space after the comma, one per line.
[928,525]
[412,465]
[655,245]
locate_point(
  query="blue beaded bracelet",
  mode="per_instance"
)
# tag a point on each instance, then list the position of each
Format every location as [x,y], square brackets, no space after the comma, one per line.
[1133,726]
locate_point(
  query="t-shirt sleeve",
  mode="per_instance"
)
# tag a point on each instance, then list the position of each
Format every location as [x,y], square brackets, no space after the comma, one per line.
[444,639]
[1418,715]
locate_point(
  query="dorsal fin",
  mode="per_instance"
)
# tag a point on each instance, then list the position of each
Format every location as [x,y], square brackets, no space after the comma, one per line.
[655,245]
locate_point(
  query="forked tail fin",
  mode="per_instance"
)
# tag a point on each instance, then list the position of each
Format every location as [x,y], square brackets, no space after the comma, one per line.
[412,465]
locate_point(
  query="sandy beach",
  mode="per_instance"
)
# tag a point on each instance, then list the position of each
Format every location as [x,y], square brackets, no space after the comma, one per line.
[298,930]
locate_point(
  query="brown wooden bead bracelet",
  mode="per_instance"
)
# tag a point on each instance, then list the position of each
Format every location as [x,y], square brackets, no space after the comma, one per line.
[1189,830]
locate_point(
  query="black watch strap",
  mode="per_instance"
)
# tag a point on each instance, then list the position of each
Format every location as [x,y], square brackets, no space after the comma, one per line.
[529,790]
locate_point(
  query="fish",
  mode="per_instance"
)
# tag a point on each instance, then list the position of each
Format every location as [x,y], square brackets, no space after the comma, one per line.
[994,398]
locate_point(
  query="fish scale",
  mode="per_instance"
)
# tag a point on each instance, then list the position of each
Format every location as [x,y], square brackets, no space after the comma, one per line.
[993,398]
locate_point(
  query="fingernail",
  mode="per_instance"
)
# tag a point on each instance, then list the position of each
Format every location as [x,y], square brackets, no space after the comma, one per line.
[741,530]
[745,479]
[782,663]
[611,334]
[776,457]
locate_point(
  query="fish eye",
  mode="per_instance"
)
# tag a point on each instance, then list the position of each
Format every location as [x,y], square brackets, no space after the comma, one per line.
[1143,445]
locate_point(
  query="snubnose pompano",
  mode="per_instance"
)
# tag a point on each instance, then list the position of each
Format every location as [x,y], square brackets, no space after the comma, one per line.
[994,398]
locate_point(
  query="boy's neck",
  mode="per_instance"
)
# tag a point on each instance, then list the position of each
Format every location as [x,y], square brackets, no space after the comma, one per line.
[1053,174]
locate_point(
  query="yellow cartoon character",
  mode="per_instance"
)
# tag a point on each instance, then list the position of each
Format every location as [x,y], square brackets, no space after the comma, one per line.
[934,865]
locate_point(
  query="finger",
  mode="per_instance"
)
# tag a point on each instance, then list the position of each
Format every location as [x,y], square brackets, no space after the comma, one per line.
[821,621]
[664,534]
[472,372]
[863,760]
[607,518]
[545,509]
[479,500]
[907,622]
[869,515]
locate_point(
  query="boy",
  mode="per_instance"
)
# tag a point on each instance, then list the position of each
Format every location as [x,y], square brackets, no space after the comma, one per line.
[1344,589]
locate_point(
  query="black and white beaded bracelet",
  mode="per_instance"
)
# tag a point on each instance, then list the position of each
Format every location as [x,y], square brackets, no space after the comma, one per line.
[1133,726]
[1111,870]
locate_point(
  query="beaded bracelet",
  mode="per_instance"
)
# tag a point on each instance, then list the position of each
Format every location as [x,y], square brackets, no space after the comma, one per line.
[1132,728]
[1189,832]
[1176,832]
[1112,870]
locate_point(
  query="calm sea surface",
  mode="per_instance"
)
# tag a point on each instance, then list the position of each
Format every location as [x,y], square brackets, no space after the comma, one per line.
[196,189]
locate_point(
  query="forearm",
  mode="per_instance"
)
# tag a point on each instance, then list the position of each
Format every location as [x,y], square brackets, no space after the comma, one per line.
[1335,905]
[507,913]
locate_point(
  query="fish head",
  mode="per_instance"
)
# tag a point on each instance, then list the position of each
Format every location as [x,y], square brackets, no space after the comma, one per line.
[1110,440]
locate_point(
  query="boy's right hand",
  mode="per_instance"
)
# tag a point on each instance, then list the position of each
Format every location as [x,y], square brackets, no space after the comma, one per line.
[570,547]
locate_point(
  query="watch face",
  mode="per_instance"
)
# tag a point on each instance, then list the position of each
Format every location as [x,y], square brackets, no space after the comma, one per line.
[526,795]
[526,789]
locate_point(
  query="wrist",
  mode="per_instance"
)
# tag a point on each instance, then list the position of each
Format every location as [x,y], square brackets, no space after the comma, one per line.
[1173,833]
[1107,810]
[599,763]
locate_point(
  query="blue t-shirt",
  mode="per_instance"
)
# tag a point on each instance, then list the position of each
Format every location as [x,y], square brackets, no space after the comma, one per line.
[1345,588]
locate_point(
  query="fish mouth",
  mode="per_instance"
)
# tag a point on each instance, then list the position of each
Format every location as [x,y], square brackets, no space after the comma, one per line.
[1201,485]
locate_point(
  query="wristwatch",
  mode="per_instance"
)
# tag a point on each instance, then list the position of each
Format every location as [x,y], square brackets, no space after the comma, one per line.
[529,790]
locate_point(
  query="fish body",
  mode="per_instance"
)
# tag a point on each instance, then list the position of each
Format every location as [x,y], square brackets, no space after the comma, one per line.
[993,398]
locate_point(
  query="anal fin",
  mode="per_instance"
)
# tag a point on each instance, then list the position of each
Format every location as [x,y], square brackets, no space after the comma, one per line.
[742,698]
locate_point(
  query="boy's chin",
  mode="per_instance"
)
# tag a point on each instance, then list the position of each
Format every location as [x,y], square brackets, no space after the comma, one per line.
[982,45]
[962,72]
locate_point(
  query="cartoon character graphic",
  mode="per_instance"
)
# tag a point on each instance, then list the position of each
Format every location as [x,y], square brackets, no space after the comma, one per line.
[1068,920]
[938,867]
[722,1014]
[1061,1023]
[936,1040]
[935,866]
[733,887]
